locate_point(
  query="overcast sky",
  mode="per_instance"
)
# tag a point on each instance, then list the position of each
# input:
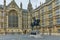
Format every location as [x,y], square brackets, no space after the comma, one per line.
[25,2]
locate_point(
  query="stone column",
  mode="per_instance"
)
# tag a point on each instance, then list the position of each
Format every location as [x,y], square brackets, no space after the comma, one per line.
[20,20]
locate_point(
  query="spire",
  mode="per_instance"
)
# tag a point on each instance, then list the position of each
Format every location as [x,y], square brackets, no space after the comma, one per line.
[36,5]
[21,5]
[29,6]
[12,0]
[40,3]
[4,5]
[29,1]
[4,2]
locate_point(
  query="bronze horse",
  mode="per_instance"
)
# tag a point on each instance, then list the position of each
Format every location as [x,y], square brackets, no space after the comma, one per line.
[35,23]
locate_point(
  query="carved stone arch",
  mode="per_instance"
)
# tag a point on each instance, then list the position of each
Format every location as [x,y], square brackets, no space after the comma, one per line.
[13,12]
[18,11]
[13,19]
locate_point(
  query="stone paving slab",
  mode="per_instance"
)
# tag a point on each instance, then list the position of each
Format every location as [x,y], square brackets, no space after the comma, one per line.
[25,37]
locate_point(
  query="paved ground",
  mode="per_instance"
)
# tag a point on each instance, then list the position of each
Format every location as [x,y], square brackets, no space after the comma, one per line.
[25,37]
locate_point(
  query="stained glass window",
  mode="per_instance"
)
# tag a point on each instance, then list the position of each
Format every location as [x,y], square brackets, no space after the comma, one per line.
[13,19]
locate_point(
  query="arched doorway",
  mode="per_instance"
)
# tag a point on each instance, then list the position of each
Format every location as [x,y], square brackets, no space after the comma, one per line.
[13,19]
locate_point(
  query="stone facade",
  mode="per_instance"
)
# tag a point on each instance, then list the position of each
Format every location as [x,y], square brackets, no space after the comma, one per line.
[15,19]
[49,19]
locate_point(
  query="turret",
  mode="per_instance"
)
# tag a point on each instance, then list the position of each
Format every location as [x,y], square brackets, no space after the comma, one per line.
[40,3]
[29,6]
[13,0]
[4,4]
[21,5]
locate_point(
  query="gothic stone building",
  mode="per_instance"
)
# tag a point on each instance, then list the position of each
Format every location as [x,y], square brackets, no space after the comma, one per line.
[49,14]
[15,19]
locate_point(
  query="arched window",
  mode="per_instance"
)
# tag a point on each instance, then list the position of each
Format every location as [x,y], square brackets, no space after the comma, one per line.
[13,19]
